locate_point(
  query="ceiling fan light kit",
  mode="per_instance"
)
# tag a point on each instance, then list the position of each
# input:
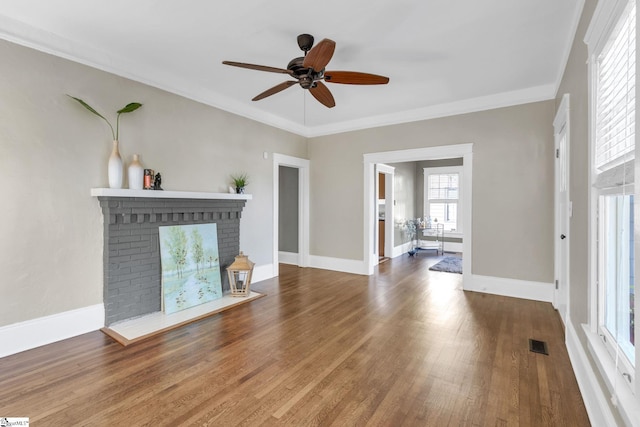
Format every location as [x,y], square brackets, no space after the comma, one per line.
[309,72]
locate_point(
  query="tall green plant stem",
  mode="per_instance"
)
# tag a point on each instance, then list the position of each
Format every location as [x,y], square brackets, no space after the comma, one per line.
[133,106]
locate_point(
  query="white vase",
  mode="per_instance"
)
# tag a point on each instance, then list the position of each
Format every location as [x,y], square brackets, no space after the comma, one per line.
[136,173]
[115,167]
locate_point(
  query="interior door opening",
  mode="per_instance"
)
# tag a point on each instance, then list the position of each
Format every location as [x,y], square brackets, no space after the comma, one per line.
[291,202]
[371,201]
[384,212]
[288,220]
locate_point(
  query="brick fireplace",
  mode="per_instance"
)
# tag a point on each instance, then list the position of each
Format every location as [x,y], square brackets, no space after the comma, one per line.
[132,274]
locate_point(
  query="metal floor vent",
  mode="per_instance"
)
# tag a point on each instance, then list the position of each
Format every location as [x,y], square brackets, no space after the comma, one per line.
[538,346]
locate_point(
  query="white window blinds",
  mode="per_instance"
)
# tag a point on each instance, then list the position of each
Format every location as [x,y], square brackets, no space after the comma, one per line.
[615,102]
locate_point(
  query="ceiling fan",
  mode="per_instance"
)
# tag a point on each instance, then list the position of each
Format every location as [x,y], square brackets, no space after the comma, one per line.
[309,72]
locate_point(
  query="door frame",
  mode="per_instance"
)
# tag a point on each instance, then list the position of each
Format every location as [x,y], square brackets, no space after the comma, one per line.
[389,171]
[562,266]
[412,155]
[303,207]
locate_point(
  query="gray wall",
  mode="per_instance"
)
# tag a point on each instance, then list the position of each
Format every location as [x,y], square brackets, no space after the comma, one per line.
[575,83]
[53,151]
[288,209]
[512,186]
[404,183]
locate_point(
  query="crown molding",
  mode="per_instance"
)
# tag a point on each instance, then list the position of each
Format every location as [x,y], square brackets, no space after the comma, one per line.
[490,102]
[47,42]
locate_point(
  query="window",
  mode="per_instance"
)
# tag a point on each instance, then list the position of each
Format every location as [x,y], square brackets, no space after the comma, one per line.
[614,151]
[612,51]
[616,262]
[615,94]
[442,196]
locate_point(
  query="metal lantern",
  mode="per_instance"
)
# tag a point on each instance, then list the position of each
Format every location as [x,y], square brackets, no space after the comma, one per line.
[240,275]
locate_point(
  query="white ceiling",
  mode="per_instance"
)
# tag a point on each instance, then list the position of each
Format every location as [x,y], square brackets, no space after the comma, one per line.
[442,56]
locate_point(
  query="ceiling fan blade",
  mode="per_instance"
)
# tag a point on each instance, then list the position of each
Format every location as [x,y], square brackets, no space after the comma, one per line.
[354,78]
[277,88]
[257,67]
[322,94]
[320,55]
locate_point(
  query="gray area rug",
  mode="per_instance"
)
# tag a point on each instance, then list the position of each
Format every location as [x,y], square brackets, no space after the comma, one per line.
[449,264]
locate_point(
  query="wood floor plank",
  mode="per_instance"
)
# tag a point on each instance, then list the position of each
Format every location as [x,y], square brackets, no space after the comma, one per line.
[404,347]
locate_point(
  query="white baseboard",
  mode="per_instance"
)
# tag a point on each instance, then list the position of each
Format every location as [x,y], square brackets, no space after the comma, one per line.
[288,258]
[262,272]
[338,264]
[46,330]
[593,396]
[538,291]
[401,250]
[627,404]
[34,333]
[453,247]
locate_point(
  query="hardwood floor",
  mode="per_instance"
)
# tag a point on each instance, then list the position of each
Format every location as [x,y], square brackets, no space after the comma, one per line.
[405,347]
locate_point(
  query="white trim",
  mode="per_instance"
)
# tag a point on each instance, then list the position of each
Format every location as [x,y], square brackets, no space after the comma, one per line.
[427,153]
[626,403]
[38,39]
[46,330]
[382,168]
[288,257]
[390,213]
[418,154]
[526,289]
[605,17]
[575,21]
[303,207]
[592,197]
[401,250]
[338,264]
[561,124]
[262,272]
[456,247]
[459,201]
[490,102]
[35,38]
[389,196]
[594,399]
[167,194]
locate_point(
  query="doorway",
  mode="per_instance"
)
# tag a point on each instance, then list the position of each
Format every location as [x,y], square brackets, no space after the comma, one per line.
[384,212]
[295,173]
[430,153]
[288,220]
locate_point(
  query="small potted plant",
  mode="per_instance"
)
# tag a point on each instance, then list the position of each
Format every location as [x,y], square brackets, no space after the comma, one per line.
[240,182]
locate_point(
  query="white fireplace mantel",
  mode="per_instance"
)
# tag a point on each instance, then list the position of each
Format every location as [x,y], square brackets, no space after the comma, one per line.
[157,194]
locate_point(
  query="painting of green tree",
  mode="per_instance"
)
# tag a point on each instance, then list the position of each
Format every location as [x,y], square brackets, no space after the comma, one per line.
[190,266]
